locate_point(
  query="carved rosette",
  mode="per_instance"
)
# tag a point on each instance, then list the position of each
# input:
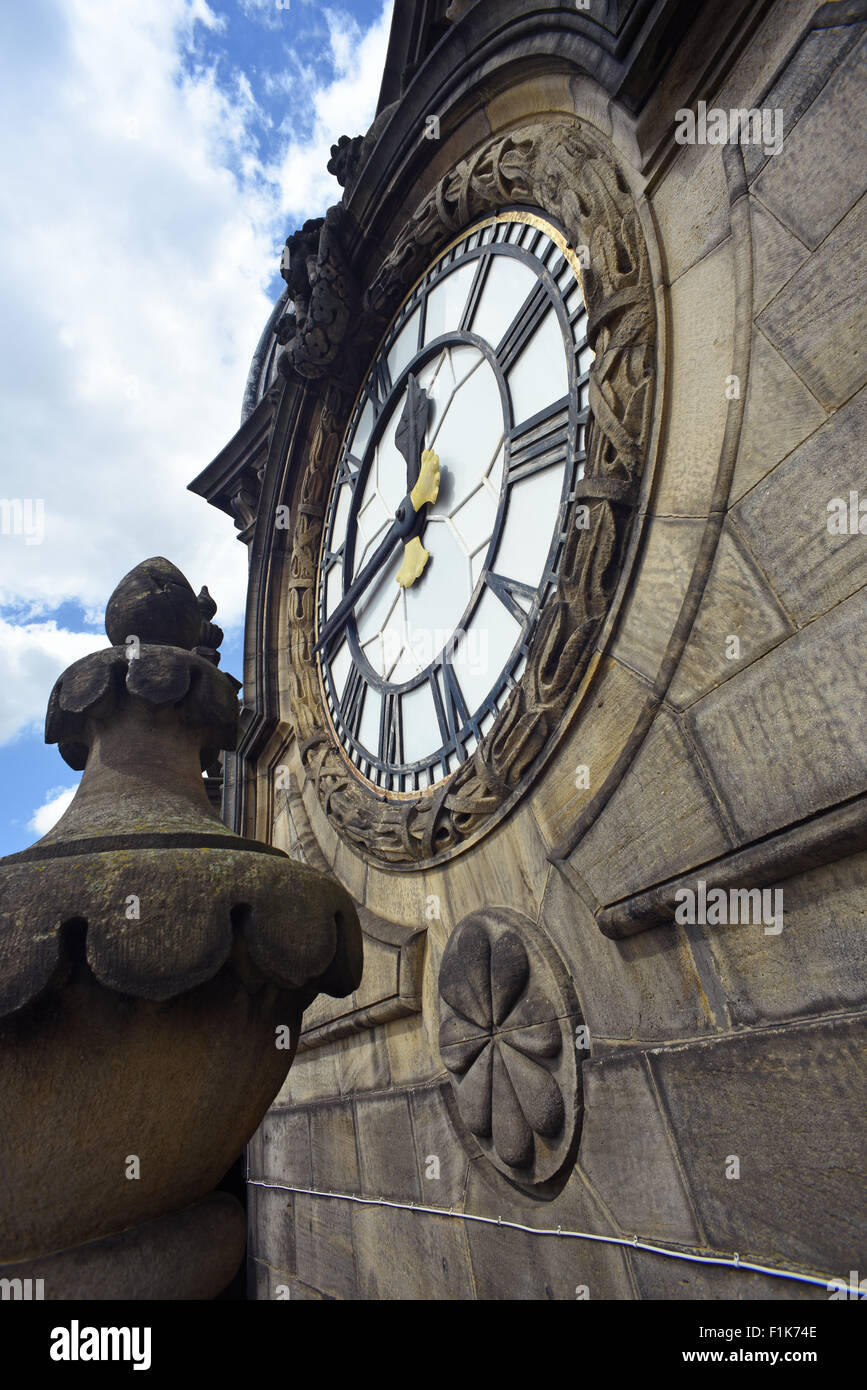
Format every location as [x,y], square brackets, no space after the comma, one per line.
[567,171]
[507,1021]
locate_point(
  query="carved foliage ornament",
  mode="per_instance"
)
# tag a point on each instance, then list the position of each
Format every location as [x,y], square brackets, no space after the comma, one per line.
[568,172]
[507,1017]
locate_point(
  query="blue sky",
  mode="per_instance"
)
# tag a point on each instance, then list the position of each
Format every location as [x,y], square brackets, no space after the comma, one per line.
[156,155]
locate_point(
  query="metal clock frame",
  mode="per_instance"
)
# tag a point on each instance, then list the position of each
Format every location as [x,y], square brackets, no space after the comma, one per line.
[566,416]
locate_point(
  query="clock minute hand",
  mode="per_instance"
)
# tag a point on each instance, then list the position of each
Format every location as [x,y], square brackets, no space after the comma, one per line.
[402,527]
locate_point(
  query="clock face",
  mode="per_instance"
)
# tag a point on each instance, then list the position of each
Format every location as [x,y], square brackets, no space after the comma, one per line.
[435,565]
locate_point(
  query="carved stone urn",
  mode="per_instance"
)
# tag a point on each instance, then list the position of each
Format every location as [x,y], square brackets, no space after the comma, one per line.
[154,967]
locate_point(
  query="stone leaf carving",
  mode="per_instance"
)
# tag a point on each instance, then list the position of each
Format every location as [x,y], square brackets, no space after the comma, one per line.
[506,1015]
[564,169]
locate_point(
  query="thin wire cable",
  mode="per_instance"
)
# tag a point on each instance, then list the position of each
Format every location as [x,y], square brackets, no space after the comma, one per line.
[731,1262]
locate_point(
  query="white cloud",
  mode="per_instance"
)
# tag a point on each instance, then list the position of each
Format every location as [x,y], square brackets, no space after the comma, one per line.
[49,813]
[344,106]
[32,656]
[143,230]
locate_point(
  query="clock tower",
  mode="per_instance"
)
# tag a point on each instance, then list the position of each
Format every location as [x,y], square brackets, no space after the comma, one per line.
[527,664]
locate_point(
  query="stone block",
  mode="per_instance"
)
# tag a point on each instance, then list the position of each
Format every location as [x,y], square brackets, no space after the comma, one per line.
[512,1265]
[691,207]
[594,741]
[777,254]
[660,821]
[323,1243]
[789,1104]
[435,1137]
[280,1149]
[779,412]
[660,1278]
[270,1285]
[271,1227]
[627,1154]
[315,1075]
[411,1255]
[645,988]
[389,1164]
[779,738]
[658,589]
[818,963]
[805,71]
[351,870]
[333,1149]
[818,321]
[785,518]
[736,603]
[363,1062]
[509,867]
[701,327]
[814,179]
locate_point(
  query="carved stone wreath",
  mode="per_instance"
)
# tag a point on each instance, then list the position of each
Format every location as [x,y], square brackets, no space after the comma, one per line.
[507,1017]
[567,172]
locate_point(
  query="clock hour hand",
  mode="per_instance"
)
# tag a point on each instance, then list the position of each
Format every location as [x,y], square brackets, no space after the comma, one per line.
[409,435]
[405,523]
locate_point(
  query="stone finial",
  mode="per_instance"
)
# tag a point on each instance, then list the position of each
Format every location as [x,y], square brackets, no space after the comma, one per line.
[157,957]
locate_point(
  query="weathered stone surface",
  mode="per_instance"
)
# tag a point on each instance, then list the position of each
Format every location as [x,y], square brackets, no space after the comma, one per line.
[701,326]
[736,603]
[659,1278]
[659,585]
[271,1222]
[389,1166]
[819,320]
[280,1149]
[789,1104]
[660,820]
[594,741]
[819,958]
[800,79]
[627,1153]
[751,729]
[323,1244]
[779,413]
[396,897]
[435,1138]
[333,1147]
[777,254]
[408,1255]
[315,1075]
[363,1063]
[785,518]
[266,1285]
[189,1254]
[509,866]
[692,207]
[814,180]
[645,988]
[516,1265]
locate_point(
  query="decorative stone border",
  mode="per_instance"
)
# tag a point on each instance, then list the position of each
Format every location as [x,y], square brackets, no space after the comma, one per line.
[568,172]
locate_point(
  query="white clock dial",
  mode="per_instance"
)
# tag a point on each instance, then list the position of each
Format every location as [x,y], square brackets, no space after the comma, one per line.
[494,336]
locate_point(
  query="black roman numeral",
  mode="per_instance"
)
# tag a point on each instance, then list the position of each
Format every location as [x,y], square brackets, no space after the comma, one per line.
[483,266]
[352,702]
[390,731]
[379,385]
[540,441]
[331,558]
[450,705]
[509,591]
[523,326]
